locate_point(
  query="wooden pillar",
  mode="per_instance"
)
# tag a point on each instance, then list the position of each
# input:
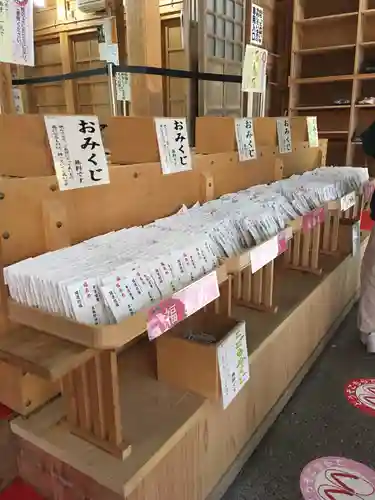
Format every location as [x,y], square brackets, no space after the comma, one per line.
[143,29]
[6,96]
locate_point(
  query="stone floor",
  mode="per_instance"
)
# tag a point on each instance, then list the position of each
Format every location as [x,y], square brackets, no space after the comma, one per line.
[317,422]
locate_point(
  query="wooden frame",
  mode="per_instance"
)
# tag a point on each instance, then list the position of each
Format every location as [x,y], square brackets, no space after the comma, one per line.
[343,34]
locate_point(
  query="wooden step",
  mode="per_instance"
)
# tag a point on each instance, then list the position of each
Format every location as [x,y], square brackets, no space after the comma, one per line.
[44,355]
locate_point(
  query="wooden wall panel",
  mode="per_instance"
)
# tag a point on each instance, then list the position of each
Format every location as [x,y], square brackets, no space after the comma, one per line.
[44,17]
[46,97]
[92,93]
[174,56]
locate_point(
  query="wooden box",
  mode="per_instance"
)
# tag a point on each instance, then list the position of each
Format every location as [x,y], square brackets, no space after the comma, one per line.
[191,364]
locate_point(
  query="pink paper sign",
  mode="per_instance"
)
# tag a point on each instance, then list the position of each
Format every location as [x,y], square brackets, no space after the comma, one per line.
[361,394]
[336,478]
[181,305]
[313,218]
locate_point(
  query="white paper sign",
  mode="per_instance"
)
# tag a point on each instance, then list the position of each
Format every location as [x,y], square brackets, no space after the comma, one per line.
[109,52]
[257,24]
[356,238]
[264,253]
[312,131]
[245,139]
[254,69]
[284,135]
[233,363]
[122,86]
[77,150]
[173,144]
[17,100]
[348,201]
[16,32]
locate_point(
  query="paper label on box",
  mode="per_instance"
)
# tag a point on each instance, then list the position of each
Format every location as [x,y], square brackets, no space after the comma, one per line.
[181,305]
[356,238]
[312,131]
[245,139]
[233,360]
[16,32]
[284,135]
[173,144]
[254,69]
[122,86]
[348,201]
[313,218]
[257,24]
[77,151]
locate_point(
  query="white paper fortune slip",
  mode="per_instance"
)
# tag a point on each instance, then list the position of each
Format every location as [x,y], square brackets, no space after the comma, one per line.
[257,24]
[245,139]
[254,69]
[16,32]
[181,305]
[173,144]
[122,86]
[77,151]
[356,238]
[233,363]
[348,201]
[312,131]
[284,135]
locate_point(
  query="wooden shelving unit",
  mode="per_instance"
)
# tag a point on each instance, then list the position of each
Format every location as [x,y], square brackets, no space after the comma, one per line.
[332,70]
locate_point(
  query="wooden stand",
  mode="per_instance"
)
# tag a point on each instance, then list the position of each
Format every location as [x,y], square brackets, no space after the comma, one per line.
[303,254]
[86,357]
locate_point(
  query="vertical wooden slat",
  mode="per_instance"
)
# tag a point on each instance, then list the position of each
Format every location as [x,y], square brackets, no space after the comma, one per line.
[258,287]
[315,247]
[268,284]
[296,249]
[247,285]
[306,244]
[327,233]
[111,397]
[80,384]
[69,396]
[67,67]
[6,96]
[144,49]
[96,397]
[335,234]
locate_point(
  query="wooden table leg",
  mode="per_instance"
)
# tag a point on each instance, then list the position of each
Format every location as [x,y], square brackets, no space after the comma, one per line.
[91,394]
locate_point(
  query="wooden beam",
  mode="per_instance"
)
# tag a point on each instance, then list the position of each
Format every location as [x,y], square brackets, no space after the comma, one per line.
[144,49]
[66,59]
[6,96]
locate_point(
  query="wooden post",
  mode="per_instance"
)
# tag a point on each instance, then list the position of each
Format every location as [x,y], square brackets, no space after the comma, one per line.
[6,96]
[144,49]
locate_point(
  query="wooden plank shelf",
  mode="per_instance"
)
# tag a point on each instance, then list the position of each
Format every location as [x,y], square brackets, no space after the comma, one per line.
[343,39]
[326,19]
[322,50]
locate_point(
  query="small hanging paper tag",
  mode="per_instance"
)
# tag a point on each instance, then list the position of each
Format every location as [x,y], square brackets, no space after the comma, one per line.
[233,363]
[245,139]
[356,238]
[77,151]
[109,52]
[348,201]
[173,144]
[122,86]
[254,69]
[257,24]
[312,131]
[284,135]
[17,100]
[181,305]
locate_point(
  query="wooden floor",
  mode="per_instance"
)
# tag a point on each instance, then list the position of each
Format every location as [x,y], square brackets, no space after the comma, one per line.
[157,418]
